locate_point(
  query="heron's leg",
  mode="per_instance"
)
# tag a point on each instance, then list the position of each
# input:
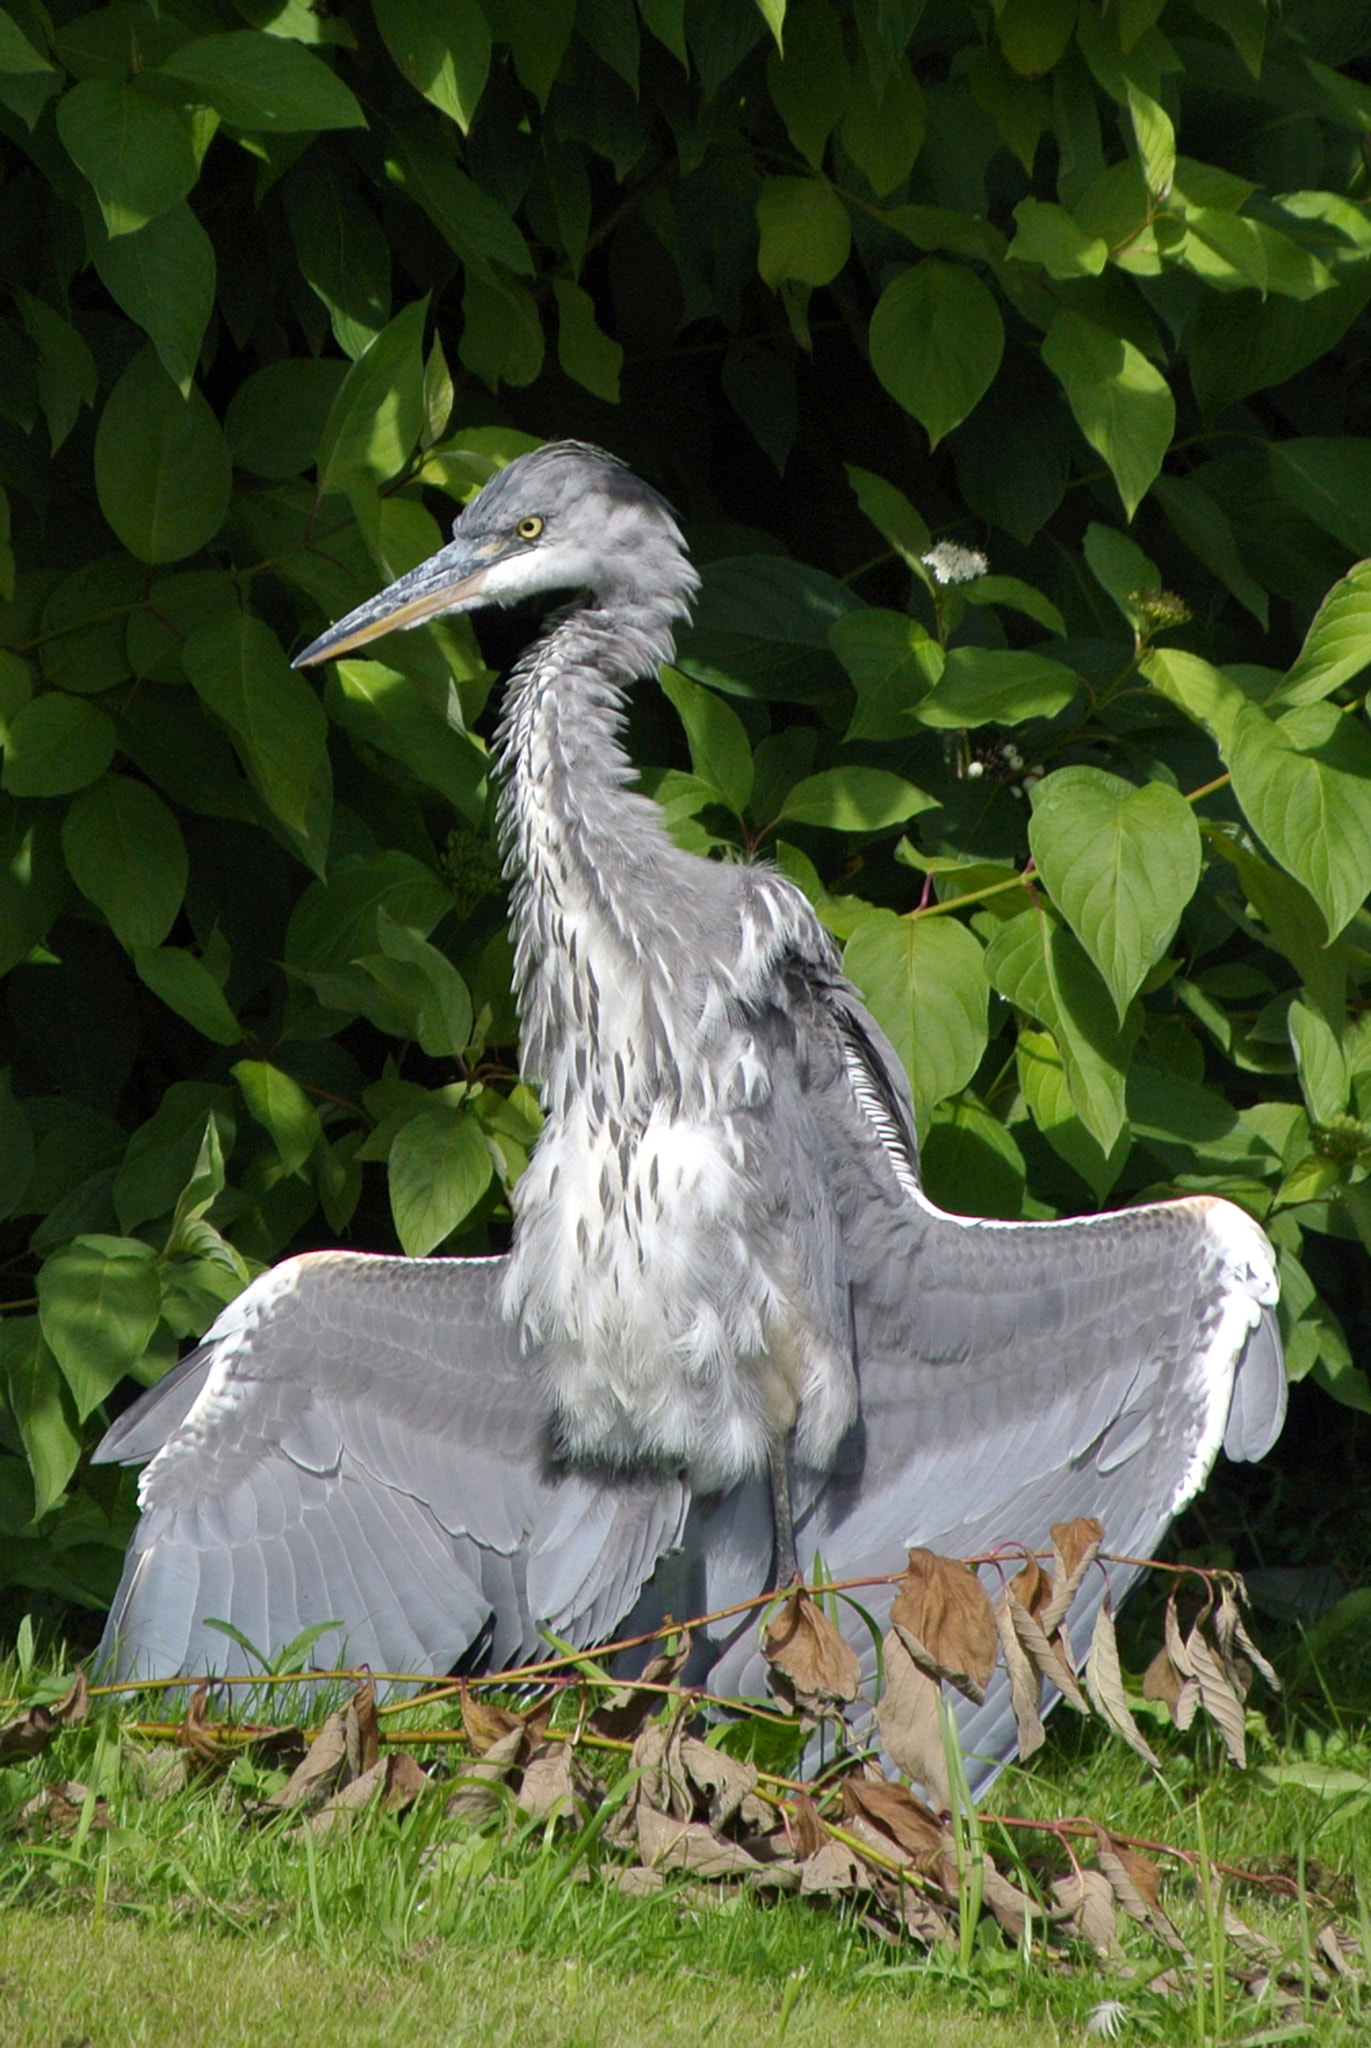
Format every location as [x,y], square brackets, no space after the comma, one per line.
[786,1569]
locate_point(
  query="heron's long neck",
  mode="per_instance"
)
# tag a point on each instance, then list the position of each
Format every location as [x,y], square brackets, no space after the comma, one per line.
[597,881]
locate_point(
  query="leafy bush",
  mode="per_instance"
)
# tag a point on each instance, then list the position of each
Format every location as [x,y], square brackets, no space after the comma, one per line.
[1009,365]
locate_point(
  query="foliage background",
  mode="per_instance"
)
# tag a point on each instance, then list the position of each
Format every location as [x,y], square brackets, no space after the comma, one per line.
[1080,284]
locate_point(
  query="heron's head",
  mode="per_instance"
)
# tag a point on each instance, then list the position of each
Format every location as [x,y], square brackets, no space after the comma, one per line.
[564,517]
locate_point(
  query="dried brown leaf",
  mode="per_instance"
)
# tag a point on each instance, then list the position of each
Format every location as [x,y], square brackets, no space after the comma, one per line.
[943,1616]
[1046,1656]
[1104,1681]
[623,1714]
[1085,1907]
[898,1814]
[1246,1939]
[807,1830]
[1337,1947]
[1075,1546]
[324,1768]
[1162,1681]
[1217,1696]
[1025,1684]
[665,1843]
[907,1717]
[547,1788]
[57,1809]
[1136,1884]
[1031,1586]
[1237,1650]
[392,1784]
[475,1795]
[483,1721]
[30,1733]
[726,1783]
[811,1664]
[834,1868]
[361,1729]
[1013,1909]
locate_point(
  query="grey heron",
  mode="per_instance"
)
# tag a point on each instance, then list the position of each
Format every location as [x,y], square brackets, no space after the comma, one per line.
[723,1263]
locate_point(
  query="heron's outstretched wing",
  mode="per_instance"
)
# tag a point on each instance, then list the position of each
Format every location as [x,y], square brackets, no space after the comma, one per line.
[358,1440]
[1011,1375]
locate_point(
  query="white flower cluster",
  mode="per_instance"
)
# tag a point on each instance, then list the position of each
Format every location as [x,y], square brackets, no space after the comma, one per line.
[949,562]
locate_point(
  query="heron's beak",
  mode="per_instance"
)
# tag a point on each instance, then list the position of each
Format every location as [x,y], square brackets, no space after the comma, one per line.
[449,581]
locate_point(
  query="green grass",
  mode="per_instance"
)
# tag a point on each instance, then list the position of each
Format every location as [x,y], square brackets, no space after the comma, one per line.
[179,1920]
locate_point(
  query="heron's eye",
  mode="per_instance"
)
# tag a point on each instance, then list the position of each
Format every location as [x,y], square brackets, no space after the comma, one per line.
[529,529]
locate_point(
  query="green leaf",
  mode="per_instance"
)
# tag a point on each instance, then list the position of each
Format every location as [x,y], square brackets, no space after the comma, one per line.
[1207,531]
[135,151]
[936,342]
[1328,481]
[263,82]
[1047,1093]
[443,49]
[996,686]
[1015,596]
[970,1163]
[773,14]
[162,467]
[1120,863]
[1043,969]
[276,416]
[440,1166]
[282,1108]
[163,276]
[376,419]
[1320,1063]
[809,85]
[125,852]
[469,219]
[66,374]
[893,517]
[924,980]
[342,249]
[33,878]
[1050,236]
[502,336]
[56,744]
[334,922]
[1337,646]
[276,722]
[1122,570]
[1203,692]
[893,664]
[186,986]
[854,799]
[1122,404]
[806,236]
[1304,783]
[584,351]
[883,132]
[99,1303]
[17,53]
[441,998]
[163,1152]
[719,751]
[403,717]
[41,1407]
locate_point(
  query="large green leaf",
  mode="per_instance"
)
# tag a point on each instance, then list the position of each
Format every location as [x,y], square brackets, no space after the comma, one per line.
[588,355]
[440,1166]
[1120,863]
[186,986]
[125,852]
[401,716]
[999,686]
[163,276]
[719,750]
[854,799]
[41,1406]
[56,744]
[1337,646]
[334,922]
[135,150]
[936,342]
[263,82]
[281,1106]
[1043,969]
[375,420]
[443,49]
[805,231]
[1304,783]
[1122,404]
[924,980]
[99,1303]
[893,665]
[162,466]
[276,722]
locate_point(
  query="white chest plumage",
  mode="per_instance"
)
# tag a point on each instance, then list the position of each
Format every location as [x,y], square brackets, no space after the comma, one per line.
[672,1317]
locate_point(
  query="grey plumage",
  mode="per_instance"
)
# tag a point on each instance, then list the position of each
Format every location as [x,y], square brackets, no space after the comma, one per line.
[720,1243]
